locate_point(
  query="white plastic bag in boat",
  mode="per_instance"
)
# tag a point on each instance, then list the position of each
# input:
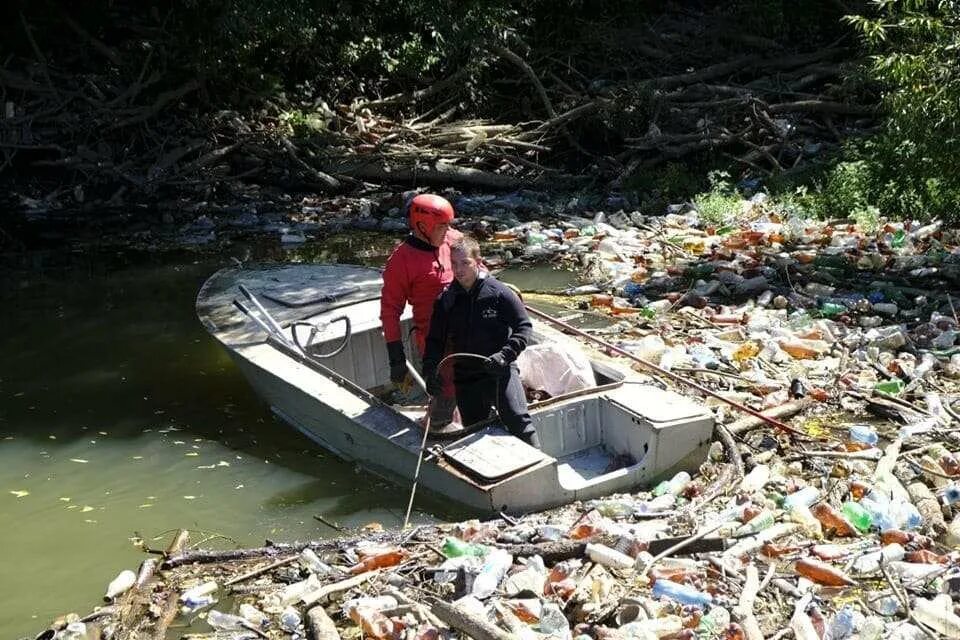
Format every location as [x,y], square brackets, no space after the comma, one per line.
[555,369]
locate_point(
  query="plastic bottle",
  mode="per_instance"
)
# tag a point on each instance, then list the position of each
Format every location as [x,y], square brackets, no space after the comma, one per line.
[296,591]
[663,626]
[802,516]
[893,387]
[120,584]
[615,507]
[870,562]
[879,510]
[455,547]
[830,518]
[822,573]
[857,515]
[253,615]
[681,593]
[224,621]
[74,631]
[873,628]
[864,434]
[938,615]
[383,559]
[759,522]
[907,516]
[843,624]
[374,603]
[290,620]
[495,566]
[714,621]
[194,594]
[602,554]
[951,493]
[312,562]
[756,479]
[553,622]
[806,497]
[915,540]
[674,485]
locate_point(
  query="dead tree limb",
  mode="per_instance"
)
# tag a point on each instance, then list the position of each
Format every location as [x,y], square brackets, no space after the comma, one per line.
[510,56]
[95,42]
[162,101]
[823,106]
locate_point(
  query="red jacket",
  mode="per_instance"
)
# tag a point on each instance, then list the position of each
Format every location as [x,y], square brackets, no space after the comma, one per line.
[416,272]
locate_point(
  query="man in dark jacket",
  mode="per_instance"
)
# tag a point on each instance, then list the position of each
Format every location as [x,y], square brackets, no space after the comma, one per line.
[480,315]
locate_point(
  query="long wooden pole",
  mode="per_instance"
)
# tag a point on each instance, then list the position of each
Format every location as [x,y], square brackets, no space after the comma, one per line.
[661,371]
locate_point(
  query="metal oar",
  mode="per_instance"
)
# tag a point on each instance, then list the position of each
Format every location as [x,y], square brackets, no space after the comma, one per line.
[423,445]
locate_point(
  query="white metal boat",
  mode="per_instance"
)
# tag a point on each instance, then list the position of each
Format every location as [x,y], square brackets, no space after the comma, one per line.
[616,436]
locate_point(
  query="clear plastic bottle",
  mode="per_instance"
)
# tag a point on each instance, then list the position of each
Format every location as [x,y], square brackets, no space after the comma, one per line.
[713,622]
[74,631]
[224,621]
[864,434]
[844,623]
[938,615]
[253,615]
[553,623]
[495,566]
[873,628]
[290,620]
[615,507]
[756,479]
[673,486]
[313,563]
[602,554]
[870,562]
[120,584]
[806,497]
[191,596]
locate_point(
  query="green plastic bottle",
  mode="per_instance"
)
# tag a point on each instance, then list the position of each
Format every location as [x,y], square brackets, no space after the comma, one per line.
[899,237]
[893,387]
[857,515]
[454,548]
[831,309]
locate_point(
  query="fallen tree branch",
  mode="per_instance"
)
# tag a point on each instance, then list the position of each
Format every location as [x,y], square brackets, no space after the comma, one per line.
[162,101]
[822,106]
[476,628]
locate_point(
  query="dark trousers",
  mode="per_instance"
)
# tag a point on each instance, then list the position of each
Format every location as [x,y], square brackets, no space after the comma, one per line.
[504,393]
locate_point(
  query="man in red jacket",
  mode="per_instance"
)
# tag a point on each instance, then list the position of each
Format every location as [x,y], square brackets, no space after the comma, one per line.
[416,272]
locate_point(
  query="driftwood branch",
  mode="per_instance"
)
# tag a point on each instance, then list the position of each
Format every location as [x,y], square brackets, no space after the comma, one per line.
[474,627]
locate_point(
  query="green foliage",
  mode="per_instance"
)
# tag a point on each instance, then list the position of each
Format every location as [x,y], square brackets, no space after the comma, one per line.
[722,202]
[909,168]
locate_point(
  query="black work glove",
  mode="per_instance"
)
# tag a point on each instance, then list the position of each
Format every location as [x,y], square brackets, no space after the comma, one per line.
[432,380]
[497,365]
[398,362]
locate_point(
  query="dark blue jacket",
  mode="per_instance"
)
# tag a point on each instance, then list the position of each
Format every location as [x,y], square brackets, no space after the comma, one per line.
[487,319]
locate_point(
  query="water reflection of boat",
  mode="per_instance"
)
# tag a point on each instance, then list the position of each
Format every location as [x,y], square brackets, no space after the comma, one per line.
[311,346]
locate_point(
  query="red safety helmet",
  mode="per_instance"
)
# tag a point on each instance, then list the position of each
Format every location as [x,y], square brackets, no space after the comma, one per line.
[427,211]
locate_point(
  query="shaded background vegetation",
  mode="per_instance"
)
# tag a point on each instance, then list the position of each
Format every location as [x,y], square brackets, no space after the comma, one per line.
[289,64]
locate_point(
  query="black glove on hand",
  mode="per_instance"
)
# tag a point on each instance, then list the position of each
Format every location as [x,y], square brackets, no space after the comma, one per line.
[497,365]
[432,380]
[398,362]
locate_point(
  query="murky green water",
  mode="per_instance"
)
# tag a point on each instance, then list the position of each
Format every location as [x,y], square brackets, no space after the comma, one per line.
[120,417]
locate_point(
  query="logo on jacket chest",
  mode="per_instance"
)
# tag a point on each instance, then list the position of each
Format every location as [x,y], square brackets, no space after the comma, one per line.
[488,313]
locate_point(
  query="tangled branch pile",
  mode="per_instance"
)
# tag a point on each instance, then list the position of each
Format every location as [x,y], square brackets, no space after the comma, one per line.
[133,110]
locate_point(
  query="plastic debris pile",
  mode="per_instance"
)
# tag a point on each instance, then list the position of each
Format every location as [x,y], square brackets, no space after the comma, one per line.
[843,526]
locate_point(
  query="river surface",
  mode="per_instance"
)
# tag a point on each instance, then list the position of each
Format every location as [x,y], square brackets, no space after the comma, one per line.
[122,420]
